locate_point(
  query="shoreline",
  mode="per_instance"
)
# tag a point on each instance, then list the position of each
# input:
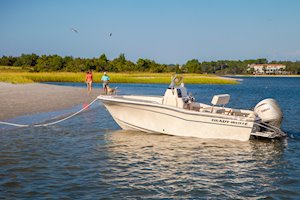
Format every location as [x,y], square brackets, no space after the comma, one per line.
[33,98]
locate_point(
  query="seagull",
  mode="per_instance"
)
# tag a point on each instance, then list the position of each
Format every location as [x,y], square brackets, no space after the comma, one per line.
[75,31]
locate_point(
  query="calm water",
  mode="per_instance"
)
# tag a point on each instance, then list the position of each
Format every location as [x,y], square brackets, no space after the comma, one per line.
[89,157]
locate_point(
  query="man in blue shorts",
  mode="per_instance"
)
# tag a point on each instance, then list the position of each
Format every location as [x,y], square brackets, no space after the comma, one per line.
[105,79]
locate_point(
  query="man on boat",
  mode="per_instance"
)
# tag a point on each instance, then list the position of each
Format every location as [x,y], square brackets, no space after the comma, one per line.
[105,79]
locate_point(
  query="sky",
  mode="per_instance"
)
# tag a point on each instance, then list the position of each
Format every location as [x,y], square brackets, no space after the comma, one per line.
[166,31]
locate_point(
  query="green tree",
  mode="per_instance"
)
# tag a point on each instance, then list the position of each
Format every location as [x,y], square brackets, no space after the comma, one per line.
[55,63]
[26,60]
[262,61]
[193,66]
[41,64]
[68,63]
[147,65]
[102,63]
[177,69]
[7,61]
[49,63]
[120,64]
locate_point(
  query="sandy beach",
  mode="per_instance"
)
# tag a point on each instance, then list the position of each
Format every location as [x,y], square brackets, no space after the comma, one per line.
[27,99]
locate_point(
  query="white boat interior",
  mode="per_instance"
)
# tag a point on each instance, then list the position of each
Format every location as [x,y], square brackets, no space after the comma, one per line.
[218,103]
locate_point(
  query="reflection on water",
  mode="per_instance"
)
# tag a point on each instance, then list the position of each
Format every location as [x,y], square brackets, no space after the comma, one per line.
[90,162]
[168,167]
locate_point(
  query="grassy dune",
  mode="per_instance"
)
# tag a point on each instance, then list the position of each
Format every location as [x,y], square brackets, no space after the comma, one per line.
[15,76]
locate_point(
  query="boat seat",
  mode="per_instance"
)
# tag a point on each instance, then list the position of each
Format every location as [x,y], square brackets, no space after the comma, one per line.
[220,99]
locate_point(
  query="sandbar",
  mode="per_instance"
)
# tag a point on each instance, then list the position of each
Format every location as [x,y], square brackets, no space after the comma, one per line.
[27,99]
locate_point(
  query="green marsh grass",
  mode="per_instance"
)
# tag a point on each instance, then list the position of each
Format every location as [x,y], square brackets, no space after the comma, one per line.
[29,77]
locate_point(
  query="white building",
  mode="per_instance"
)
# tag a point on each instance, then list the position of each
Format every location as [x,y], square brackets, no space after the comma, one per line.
[267,68]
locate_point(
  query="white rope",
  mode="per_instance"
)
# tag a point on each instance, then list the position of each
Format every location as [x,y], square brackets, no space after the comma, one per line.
[52,123]
[12,124]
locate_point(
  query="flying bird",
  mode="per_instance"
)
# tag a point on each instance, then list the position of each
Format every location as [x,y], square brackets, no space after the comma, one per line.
[74,30]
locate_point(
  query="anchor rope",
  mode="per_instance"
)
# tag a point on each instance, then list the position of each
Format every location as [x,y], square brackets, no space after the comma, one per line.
[51,123]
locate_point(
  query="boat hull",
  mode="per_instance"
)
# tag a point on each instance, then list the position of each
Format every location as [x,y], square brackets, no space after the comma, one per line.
[154,118]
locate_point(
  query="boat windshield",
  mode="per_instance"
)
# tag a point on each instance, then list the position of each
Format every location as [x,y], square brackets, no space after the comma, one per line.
[176,80]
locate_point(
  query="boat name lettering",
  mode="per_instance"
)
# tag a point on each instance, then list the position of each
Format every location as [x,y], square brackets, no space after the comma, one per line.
[224,121]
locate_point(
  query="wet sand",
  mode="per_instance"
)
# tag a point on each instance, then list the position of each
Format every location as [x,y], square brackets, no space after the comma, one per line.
[27,99]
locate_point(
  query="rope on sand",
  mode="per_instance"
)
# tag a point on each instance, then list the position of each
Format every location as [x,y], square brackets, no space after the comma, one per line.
[52,123]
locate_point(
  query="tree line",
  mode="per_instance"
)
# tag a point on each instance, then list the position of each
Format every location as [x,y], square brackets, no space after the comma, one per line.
[49,63]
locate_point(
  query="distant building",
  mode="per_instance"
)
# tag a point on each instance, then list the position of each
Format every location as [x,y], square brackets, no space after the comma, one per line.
[267,68]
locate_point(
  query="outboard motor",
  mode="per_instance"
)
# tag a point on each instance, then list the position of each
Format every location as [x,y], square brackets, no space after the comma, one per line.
[269,112]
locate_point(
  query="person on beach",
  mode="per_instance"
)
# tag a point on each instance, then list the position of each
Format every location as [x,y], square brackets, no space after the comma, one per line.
[105,79]
[89,80]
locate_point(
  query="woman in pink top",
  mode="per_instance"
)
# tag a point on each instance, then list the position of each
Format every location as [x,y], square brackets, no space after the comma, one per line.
[89,80]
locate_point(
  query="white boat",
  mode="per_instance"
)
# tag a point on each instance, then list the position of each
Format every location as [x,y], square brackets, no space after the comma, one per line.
[177,113]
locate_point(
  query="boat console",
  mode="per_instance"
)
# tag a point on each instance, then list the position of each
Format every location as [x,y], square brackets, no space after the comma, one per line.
[175,97]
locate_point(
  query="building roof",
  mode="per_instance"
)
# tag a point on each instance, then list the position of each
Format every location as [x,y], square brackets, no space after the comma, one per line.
[266,65]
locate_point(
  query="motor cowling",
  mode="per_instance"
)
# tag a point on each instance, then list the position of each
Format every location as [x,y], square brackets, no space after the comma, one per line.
[269,112]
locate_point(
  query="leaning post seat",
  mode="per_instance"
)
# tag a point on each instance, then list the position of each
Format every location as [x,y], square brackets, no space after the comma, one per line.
[221,99]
